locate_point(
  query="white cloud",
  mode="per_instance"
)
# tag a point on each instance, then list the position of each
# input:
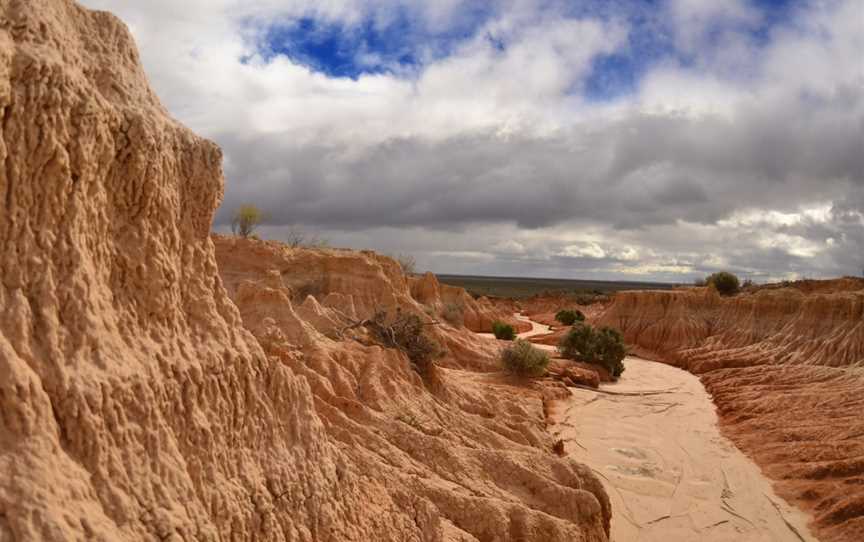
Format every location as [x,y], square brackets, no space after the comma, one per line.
[587,250]
[508,246]
[499,162]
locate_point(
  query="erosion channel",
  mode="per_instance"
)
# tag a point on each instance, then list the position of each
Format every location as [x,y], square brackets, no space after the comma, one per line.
[653,439]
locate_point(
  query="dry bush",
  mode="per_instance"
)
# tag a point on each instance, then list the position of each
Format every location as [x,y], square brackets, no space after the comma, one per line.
[524,359]
[298,237]
[407,263]
[407,332]
[454,314]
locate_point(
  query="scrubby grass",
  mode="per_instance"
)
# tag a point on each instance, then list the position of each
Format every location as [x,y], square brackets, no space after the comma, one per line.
[524,359]
[454,314]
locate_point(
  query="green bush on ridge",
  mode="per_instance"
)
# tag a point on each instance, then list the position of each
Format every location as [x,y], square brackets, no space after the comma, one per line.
[604,347]
[724,282]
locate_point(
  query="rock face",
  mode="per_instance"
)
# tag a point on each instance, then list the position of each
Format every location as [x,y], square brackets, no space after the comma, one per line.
[785,368]
[701,331]
[135,404]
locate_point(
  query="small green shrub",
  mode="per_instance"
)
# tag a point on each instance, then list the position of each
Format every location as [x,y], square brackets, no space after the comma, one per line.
[604,347]
[503,331]
[610,350]
[724,282]
[578,343]
[568,317]
[523,359]
[246,219]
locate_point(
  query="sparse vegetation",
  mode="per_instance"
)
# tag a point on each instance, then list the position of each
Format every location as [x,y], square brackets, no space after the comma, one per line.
[246,219]
[604,347]
[407,263]
[592,297]
[407,333]
[568,317]
[724,282]
[503,331]
[523,359]
[454,314]
[298,237]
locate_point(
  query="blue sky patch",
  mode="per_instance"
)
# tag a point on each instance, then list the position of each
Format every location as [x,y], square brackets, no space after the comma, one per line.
[405,44]
[340,50]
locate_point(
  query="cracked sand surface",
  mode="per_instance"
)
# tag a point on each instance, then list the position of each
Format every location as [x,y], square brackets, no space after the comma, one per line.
[670,474]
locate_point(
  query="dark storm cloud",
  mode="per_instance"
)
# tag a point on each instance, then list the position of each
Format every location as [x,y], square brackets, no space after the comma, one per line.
[644,170]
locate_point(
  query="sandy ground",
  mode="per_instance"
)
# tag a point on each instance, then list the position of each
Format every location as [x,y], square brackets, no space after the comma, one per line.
[536,329]
[653,439]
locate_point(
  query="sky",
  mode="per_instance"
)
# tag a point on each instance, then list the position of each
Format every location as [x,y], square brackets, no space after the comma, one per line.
[604,139]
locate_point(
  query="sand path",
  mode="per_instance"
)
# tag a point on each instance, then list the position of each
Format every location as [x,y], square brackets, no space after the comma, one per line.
[536,329]
[653,440]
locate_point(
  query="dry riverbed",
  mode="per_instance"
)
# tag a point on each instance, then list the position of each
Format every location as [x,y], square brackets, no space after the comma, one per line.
[653,439]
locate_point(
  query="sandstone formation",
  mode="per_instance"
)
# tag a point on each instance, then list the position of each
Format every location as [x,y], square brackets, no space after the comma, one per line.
[477,314]
[467,452]
[784,365]
[136,401]
[701,331]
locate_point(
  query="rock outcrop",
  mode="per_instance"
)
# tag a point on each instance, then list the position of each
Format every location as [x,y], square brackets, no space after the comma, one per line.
[785,366]
[465,453]
[134,401]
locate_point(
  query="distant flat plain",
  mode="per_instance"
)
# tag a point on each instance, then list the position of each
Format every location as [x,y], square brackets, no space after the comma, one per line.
[522,287]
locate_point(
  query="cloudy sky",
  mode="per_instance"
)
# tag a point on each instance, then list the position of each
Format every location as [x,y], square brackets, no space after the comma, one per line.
[589,139]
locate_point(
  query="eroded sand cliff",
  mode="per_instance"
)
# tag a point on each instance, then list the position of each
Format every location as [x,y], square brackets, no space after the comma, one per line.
[784,366]
[138,402]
